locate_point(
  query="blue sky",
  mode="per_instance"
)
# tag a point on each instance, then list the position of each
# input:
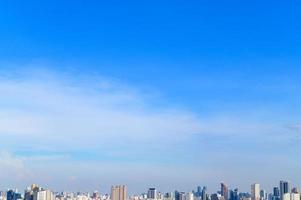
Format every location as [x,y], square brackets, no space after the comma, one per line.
[170,94]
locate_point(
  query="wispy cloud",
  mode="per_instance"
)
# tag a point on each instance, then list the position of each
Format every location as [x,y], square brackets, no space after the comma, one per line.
[80,112]
[90,125]
[13,169]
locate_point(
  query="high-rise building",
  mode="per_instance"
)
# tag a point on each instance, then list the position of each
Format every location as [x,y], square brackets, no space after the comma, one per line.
[284,188]
[168,195]
[234,194]
[295,196]
[224,191]
[45,195]
[179,195]
[13,195]
[295,190]
[286,196]
[199,191]
[189,196]
[119,192]
[152,193]
[276,192]
[255,191]
[263,195]
[96,195]
[214,197]
[182,196]
[204,193]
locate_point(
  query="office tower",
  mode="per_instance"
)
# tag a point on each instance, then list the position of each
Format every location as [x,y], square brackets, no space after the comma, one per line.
[45,195]
[13,195]
[160,196]
[28,194]
[96,195]
[168,195]
[295,190]
[214,197]
[295,196]
[263,195]
[189,196]
[234,194]
[152,193]
[119,192]
[224,191]
[182,196]
[199,191]
[276,192]
[10,195]
[284,188]
[271,196]
[286,196]
[255,191]
[177,195]
[204,193]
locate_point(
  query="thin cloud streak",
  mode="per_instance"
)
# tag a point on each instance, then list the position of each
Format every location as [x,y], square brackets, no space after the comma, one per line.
[94,125]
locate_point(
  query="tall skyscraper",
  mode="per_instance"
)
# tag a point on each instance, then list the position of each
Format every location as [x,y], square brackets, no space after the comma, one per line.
[199,191]
[189,196]
[295,196]
[263,195]
[119,192]
[45,195]
[276,192]
[13,195]
[204,193]
[177,195]
[295,190]
[284,188]
[286,196]
[234,194]
[224,191]
[152,193]
[255,191]
[95,195]
[182,196]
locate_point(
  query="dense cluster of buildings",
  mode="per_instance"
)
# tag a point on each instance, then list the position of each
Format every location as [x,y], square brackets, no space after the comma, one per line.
[281,192]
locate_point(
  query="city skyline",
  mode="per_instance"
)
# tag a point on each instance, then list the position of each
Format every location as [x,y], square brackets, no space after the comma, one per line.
[163,94]
[120,192]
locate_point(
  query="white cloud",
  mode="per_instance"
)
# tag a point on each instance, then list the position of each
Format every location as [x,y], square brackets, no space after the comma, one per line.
[60,114]
[74,111]
[12,170]
[67,111]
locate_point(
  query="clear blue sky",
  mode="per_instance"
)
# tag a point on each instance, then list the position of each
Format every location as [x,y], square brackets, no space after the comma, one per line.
[214,85]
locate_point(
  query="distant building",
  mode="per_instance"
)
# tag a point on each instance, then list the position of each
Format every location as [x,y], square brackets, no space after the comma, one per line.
[286,196]
[119,192]
[295,196]
[152,193]
[96,195]
[234,194]
[199,191]
[204,193]
[13,195]
[189,196]
[224,191]
[295,190]
[284,189]
[179,195]
[255,191]
[216,197]
[276,192]
[263,195]
[168,195]
[45,195]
